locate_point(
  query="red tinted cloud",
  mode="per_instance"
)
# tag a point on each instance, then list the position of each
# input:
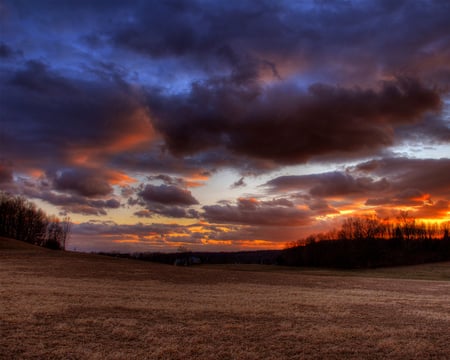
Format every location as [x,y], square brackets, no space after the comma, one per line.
[438,210]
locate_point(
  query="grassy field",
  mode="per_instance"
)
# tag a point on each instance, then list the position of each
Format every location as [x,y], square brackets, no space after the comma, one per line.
[56,305]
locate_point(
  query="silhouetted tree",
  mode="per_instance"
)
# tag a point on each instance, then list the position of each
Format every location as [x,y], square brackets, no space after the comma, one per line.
[22,220]
[368,241]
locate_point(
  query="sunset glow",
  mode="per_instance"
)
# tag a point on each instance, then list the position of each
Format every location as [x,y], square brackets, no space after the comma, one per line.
[241,125]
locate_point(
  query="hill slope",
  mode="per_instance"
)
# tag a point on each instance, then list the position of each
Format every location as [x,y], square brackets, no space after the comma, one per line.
[16,245]
[63,305]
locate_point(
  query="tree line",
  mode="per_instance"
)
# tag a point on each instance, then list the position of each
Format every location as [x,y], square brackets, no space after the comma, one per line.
[22,220]
[368,241]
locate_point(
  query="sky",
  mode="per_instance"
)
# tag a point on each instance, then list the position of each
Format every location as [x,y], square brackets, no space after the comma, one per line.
[224,125]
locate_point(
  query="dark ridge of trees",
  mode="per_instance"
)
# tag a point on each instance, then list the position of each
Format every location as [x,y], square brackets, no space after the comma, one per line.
[20,219]
[368,242]
[267,257]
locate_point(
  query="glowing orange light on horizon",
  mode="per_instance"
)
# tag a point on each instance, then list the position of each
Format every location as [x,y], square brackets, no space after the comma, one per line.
[127,241]
[258,244]
[216,242]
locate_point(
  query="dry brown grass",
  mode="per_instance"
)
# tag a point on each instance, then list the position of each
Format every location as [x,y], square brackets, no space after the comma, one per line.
[57,305]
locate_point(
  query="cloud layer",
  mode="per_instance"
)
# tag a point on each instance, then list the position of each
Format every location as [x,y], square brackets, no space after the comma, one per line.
[132,111]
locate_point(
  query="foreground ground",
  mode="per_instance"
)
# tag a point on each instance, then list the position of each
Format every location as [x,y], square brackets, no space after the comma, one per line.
[56,305]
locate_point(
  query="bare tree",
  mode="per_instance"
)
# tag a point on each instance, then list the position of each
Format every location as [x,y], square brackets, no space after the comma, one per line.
[22,220]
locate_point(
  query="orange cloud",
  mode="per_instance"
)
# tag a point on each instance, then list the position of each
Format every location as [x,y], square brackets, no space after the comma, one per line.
[128,134]
[422,198]
[120,178]
[196,180]
[259,244]
[438,211]
[36,173]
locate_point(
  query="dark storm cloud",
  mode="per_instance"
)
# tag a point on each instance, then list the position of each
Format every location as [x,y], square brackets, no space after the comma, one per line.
[374,34]
[83,182]
[412,180]
[344,41]
[254,212]
[57,116]
[233,113]
[399,182]
[342,184]
[151,32]
[350,39]
[167,195]
[232,45]
[53,122]
[166,200]
[321,207]
[6,51]
[288,125]
[327,184]
[157,159]
[36,77]
[205,35]
[434,130]
[72,203]
[80,191]
[430,176]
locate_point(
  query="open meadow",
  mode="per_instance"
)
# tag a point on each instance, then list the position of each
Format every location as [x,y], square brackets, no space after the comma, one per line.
[61,305]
